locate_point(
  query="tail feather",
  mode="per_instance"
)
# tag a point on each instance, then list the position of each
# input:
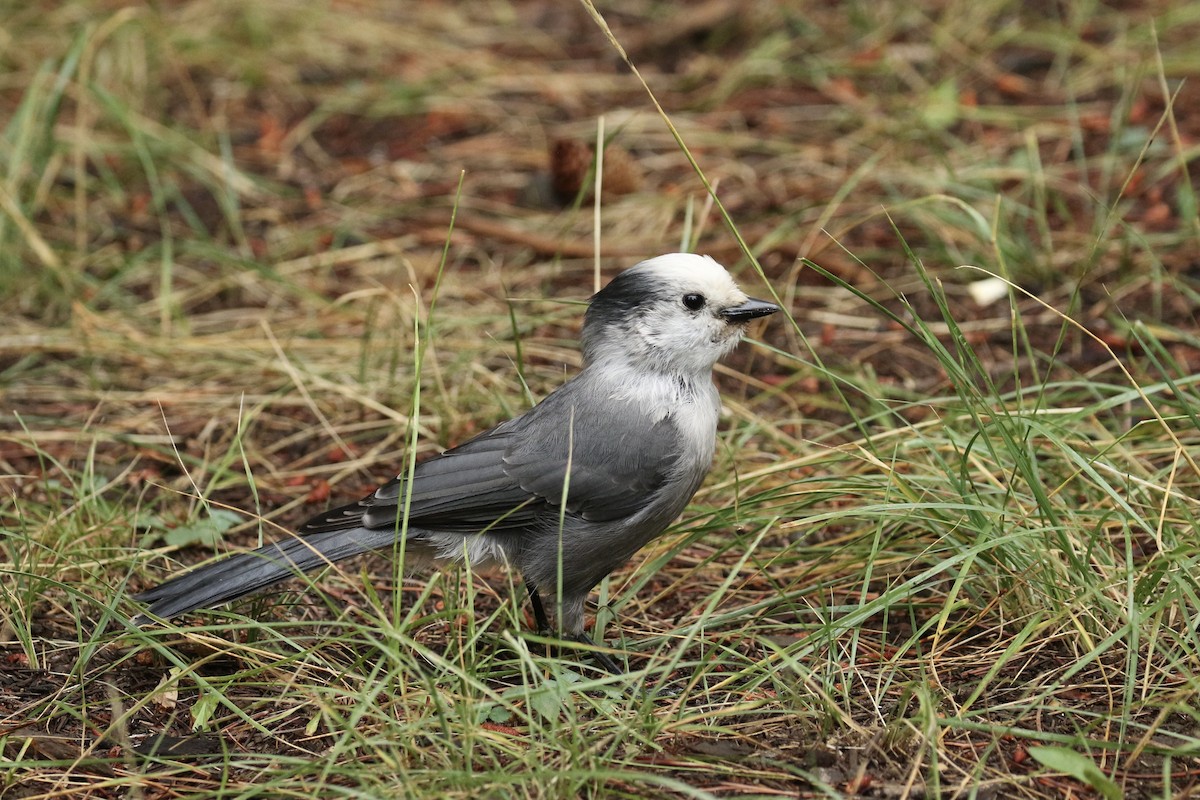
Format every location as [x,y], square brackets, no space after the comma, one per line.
[246,573]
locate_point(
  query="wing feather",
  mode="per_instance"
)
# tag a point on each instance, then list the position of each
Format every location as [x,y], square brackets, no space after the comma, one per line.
[514,475]
[615,463]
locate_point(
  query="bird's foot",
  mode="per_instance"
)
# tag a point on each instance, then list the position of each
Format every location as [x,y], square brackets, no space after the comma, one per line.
[603,659]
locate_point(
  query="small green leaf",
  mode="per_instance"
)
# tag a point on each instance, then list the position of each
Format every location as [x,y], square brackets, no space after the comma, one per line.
[1078,766]
[203,710]
[941,106]
[548,700]
[1185,202]
[203,531]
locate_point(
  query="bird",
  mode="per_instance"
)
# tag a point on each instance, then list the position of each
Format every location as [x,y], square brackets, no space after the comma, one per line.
[565,492]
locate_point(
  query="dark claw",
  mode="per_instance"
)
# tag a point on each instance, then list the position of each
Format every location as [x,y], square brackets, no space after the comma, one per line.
[606,662]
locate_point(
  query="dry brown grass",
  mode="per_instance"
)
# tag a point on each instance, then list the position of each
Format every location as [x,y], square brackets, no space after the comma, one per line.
[938,535]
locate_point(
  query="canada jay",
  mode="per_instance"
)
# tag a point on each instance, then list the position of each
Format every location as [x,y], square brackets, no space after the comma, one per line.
[567,491]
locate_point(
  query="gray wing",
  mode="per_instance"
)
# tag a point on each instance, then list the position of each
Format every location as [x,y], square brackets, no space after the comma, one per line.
[515,474]
[463,490]
[617,456]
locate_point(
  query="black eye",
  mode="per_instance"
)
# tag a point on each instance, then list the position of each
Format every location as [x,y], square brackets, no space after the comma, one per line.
[693,301]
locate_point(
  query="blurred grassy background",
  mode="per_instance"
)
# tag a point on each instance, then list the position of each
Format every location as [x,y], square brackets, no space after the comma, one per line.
[949,545]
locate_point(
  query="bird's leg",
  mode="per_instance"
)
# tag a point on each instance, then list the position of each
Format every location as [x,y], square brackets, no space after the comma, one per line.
[604,660]
[539,613]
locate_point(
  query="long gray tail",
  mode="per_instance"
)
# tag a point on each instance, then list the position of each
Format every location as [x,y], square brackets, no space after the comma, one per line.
[245,573]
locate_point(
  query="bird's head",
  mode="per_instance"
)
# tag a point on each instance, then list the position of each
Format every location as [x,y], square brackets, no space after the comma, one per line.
[677,313]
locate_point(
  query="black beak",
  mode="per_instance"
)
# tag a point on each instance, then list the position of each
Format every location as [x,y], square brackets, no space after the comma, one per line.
[751,309]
